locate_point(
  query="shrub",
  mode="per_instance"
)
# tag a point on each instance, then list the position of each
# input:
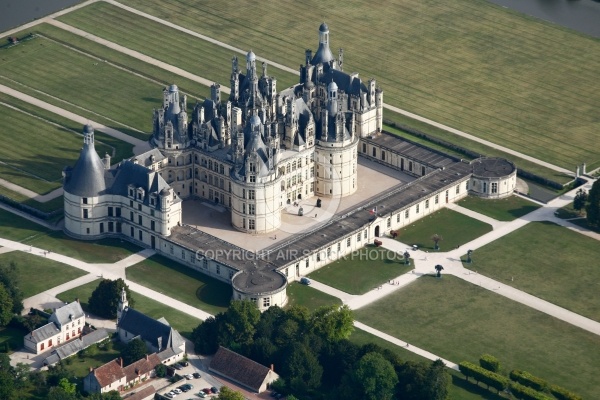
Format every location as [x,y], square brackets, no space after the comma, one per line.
[563,394]
[524,393]
[527,379]
[491,379]
[489,362]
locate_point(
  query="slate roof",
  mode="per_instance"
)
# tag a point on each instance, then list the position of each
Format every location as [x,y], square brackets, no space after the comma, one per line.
[149,329]
[492,167]
[141,367]
[86,178]
[109,372]
[44,332]
[349,83]
[239,368]
[145,159]
[74,346]
[67,313]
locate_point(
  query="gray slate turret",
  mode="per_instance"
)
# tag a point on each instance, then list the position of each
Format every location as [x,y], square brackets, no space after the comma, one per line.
[86,178]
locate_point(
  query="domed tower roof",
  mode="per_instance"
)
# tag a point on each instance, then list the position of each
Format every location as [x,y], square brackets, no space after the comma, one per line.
[332,87]
[250,56]
[323,54]
[86,178]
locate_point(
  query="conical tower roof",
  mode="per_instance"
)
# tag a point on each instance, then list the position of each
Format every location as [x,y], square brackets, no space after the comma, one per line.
[87,176]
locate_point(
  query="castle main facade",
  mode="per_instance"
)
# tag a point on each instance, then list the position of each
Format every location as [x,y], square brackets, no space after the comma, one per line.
[256,152]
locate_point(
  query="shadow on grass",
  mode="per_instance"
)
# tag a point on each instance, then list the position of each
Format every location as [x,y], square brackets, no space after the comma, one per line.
[519,212]
[475,389]
[214,294]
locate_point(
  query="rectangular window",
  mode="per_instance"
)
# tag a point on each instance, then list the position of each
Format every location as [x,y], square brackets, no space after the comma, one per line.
[266,302]
[365,234]
[348,242]
[131,203]
[251,194]
[437,198]
[86,213]
[139,207]
[218,269]
[251,209]
[152,225]
[183,254]
[101,227]
[457,189]
[230,274]
[140,219]
[494,187]
[110,211]
[140,235]
[382,155]
[252,178]
[243,208]
[417,208]
[406,213]
[389,222]
[118,210]
[132,232]
[131,216]
[205,263]
[50,343]
[426,203]
[251,224]
[84,200]
[111,226]
[244,223]
[398,217]
[358,237]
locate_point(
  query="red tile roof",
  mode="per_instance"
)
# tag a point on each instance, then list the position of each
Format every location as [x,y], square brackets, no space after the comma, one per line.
[109,372]
[141,367]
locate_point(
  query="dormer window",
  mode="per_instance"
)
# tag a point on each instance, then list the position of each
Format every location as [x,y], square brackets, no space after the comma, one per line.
[252,168]
[252,179]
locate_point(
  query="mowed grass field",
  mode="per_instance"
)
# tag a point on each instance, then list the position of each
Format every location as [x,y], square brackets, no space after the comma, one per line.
[507,209]
[547,261]
[37,274]
[177,48]
[469,64]
[38,166]
[460,321]
[455,229]
[363,270]
[90,80]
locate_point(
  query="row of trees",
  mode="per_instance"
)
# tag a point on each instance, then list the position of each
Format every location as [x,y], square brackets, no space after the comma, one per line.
[11,297]
[312,354]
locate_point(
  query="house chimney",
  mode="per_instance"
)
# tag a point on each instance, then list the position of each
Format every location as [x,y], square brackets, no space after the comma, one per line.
[146,357]
[121,361]
[91,369]
[272,368]
[77,299]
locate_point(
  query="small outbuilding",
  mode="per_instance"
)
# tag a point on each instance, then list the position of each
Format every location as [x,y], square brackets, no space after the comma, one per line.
[241,370]
[493,178]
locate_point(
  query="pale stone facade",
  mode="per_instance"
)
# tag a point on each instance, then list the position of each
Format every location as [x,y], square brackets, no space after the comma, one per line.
[65,324]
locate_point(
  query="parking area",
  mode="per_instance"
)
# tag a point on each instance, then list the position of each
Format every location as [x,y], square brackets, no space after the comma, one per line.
[194,385]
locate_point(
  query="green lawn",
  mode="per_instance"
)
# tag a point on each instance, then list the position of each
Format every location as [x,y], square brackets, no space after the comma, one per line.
[13,227]
[303,295]
[182,283]
[360,272]
[547,261]
[38,274]
[81,366]
[191,54]
[469,64]
[114,96]
[506,209]
[183,322]
[460,321]
[38,167]
[455,228]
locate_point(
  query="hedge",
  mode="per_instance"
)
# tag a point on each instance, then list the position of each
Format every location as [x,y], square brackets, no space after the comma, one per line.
[527,379]
[489,362]
[524,393]
[489,378]
[563,394]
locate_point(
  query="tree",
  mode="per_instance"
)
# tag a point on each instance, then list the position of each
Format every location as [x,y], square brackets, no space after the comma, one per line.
[67,386]
[437,379]
[239,325]
[58,393]
[135,350]
[161,370]
[593,207]
[580,200]
[333,323]
[436,241]
[227,394]
[263,351]
[439,270]
[58,372]
[376,377]
[105,298]
[6,306]
[300,368]
[205,335]
[10,279]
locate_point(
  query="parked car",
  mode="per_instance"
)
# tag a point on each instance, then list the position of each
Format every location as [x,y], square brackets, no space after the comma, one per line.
[184,363]
[183,388]
[177,366]
[206,390]
[305,281]
[214,390]
[201,394]
[189,376]
[196,375]
[169,395]
[177,391]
